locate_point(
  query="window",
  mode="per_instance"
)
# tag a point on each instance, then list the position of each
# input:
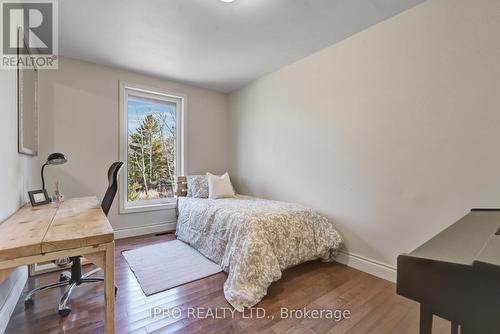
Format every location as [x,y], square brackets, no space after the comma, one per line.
[152,147]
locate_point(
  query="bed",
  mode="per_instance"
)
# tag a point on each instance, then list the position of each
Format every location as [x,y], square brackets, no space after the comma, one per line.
[254,240]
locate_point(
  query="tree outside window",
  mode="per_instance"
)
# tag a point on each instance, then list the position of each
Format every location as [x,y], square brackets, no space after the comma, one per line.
[151,149]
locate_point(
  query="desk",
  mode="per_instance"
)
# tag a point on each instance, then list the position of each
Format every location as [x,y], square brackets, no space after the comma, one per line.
[75,227]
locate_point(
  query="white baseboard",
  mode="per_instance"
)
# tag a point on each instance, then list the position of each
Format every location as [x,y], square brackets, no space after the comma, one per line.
[146,229]
[355,261]
[367,265]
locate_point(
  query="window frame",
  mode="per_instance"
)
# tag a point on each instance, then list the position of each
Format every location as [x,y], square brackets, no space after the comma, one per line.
[129,89]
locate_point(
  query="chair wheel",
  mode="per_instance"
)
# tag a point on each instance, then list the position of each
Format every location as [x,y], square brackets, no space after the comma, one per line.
[64,277]
[28,303]
[65,312]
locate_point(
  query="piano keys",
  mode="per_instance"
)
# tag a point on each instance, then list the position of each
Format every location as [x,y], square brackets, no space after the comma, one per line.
[456,275]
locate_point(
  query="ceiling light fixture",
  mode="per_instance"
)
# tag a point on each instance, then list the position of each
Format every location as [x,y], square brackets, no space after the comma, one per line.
[227,0]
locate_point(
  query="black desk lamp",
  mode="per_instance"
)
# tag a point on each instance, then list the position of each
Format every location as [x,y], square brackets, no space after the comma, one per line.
[53,159]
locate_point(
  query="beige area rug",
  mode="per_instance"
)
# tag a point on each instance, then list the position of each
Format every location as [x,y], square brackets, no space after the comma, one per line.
[166,265]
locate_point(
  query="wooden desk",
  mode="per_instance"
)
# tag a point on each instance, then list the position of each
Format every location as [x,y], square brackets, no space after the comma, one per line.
[75,227]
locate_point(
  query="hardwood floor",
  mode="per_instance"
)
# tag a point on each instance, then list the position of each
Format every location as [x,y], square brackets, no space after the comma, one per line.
[373,303]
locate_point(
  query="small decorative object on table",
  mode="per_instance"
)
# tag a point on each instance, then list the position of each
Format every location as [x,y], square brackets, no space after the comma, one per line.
[38,197]
[59,196]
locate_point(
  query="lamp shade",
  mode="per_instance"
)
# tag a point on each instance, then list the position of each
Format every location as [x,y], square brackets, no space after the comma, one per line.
[56,159]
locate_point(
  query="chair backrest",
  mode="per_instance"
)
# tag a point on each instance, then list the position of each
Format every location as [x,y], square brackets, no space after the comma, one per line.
[112,186]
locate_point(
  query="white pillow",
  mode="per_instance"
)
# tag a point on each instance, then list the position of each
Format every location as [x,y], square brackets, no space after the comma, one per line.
[219,186]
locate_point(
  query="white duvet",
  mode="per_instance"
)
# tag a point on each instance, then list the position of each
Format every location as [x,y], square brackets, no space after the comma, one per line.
[254,240]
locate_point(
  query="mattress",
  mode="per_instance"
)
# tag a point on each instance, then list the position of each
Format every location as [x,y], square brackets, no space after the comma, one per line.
[254,240]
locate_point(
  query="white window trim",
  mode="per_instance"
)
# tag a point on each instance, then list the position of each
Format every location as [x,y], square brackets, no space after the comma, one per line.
[181,117]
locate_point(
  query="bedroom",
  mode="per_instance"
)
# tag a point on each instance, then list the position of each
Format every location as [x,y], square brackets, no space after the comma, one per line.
[378,118]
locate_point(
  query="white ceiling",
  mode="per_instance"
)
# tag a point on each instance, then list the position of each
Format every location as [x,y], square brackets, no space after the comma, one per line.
[208,43]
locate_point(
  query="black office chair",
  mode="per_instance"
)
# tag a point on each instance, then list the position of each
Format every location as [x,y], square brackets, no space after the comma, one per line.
[76,277]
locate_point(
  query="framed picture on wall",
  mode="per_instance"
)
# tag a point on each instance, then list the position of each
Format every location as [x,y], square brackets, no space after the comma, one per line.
[27,101]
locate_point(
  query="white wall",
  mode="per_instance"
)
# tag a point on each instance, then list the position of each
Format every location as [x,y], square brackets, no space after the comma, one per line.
[393,133]
[15,181]
[15,169]
[80,117]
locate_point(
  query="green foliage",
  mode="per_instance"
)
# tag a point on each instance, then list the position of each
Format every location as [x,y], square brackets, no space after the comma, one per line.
[133,195]
[151,159]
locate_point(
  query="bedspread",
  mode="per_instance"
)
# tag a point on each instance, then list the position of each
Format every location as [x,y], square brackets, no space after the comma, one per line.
[254,240]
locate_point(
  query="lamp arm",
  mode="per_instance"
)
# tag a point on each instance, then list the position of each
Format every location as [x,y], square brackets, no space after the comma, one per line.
[43,179]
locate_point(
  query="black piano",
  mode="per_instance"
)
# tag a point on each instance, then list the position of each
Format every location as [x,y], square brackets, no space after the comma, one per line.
[456,275]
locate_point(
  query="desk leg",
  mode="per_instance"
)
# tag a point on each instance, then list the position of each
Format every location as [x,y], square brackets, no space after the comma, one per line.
[4,273]
[109,287]
[425,320]
[454,327]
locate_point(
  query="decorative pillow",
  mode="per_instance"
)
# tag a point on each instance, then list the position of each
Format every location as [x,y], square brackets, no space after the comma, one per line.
[197,186]
[219,186]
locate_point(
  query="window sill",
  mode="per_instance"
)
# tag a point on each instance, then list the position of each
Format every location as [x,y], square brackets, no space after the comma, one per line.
[148,207]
